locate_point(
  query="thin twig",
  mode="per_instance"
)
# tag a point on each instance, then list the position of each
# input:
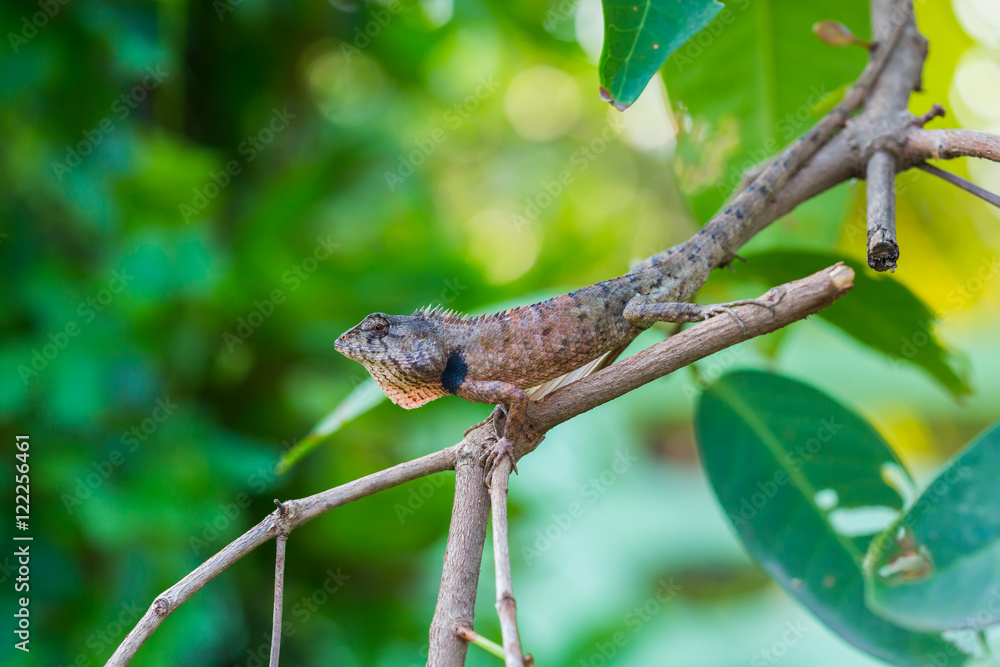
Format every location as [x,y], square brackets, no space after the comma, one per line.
[490,647]
[936,111]
[477,639]
[956,180]
[883,249]
[279,593]
[506,604]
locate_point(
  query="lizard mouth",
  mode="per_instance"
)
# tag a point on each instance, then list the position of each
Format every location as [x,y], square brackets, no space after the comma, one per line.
[340,345]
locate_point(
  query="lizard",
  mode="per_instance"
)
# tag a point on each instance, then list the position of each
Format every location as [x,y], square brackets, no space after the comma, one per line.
[506,358]
[499,358]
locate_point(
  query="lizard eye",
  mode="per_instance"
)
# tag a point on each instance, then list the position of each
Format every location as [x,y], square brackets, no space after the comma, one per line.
[377,324]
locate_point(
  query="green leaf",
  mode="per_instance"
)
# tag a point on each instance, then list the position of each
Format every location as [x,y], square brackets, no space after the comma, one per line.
[936,568]
[753,81]
[364,397]
[638,37]
[880,312]
[803,481]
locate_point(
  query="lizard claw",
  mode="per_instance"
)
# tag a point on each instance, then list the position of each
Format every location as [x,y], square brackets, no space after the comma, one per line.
[494,454]
[718,310]
[777,294]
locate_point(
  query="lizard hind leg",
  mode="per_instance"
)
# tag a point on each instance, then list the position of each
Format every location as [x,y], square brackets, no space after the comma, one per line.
[644,310]
[516,401]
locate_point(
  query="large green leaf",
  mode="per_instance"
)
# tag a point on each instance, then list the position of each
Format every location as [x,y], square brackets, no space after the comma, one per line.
[936,568]
[803,481]
[744,82]
[638,37]
[880,312]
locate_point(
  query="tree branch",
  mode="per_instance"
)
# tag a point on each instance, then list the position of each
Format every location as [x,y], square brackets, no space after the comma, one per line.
[888,99]
[456,598]
[883,249]
[843,159]
[506,604]
[296,513]
[279,593]
[798,300]
[463,557]
[949,144]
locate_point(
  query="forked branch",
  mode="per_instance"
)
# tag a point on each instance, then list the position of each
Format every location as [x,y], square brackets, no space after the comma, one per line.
[281,521]
[792,301]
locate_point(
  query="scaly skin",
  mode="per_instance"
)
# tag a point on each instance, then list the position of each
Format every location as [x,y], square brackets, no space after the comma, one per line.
[495,358]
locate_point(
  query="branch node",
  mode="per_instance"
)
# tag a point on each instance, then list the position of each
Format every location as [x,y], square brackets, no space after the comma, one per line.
[161,607]
[281,508]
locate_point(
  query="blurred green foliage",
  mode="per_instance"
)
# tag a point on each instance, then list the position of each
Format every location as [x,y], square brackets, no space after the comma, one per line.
[197,198]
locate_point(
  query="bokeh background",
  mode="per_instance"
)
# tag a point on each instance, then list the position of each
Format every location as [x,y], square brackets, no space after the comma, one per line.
[197,198]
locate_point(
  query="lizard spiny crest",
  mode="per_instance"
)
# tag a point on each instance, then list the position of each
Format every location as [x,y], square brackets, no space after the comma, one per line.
[439,314]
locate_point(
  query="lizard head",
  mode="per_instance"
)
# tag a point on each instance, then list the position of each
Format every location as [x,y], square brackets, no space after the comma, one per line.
[404,354]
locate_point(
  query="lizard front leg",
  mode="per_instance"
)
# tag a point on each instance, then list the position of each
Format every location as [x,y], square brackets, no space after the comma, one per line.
[644,310]
[499,393]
